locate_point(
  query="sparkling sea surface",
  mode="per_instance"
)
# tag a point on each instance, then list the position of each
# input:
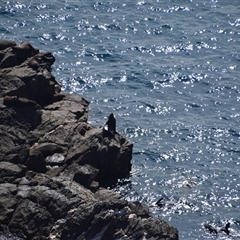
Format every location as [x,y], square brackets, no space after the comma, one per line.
[169,71]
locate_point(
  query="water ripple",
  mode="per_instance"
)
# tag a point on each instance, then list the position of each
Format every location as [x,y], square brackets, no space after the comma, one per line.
[169,71]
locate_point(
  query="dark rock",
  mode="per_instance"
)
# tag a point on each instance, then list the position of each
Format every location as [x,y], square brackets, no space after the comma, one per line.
[53,163]
[11,84]
[159,229]
[103,194]
[83,175]
[72,107]
[55,171]
[140,209]
[9,236]
[109,219]
[110,156]
[13,158]
[94,186]
[7,202]
[26,217]
[86,175]
[9,59]
[9,172]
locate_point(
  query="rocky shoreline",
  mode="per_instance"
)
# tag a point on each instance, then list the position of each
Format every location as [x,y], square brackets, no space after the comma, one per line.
[54,163]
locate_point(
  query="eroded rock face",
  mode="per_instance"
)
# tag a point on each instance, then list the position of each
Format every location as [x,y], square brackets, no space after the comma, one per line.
[53,162]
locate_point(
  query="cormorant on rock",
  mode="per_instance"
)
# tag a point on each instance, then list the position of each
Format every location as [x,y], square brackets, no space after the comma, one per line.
[110,125]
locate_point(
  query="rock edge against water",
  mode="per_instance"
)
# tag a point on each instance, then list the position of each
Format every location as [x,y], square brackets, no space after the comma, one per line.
[53,162]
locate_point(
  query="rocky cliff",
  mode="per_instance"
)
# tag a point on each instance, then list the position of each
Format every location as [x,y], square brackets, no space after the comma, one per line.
[53,162]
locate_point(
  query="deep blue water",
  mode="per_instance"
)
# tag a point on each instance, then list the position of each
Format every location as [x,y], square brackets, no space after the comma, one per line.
[169,71]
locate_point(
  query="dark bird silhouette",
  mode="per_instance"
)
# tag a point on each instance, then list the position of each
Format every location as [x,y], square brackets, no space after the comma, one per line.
[110,125]
[226,228]
[210,228]
[160,203]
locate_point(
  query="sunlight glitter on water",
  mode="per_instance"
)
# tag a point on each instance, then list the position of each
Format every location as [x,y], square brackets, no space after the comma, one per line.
[169,72]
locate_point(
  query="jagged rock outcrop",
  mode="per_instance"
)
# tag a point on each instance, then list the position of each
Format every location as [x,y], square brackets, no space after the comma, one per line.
[53,162]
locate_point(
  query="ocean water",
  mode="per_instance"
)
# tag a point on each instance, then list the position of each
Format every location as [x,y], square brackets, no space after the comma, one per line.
[169,71]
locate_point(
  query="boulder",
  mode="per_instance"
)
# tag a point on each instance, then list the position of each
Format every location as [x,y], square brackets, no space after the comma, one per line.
[83,175]
[10,171]
[8,201]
